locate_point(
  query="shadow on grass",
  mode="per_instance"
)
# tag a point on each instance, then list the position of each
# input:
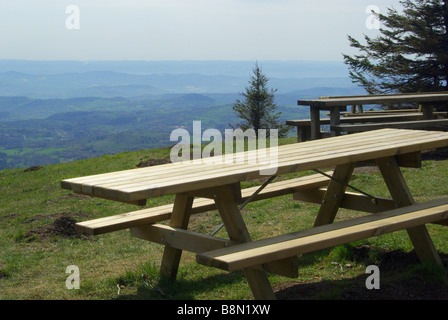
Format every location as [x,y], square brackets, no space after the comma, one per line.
[436,155]
[402,277]
[183,289]
[409,288]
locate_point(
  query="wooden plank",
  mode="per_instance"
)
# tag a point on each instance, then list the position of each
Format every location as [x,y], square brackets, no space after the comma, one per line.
[394,112]
[301,156]
[163,213]
[192,242]
[351,201]
[335,119]
[334,194]
[262,251]
[398,125]
[413,138]
[396,95]
[365,118]
[316,122]
[235,174]
[176,168]
[173,170]
[408,160]
[240,175]
[428,110]
[179,219]
[236,228]
[422,242]
[372,99]
[180,239]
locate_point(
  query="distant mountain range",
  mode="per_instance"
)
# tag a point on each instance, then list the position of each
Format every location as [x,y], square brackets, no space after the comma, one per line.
[274,69]
[58,111]
[69,79]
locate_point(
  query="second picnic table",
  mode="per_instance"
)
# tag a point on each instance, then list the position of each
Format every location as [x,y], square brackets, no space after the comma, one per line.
[219,184]
[338,104]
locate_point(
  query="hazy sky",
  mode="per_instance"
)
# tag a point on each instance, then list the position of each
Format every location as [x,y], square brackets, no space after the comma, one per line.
[182,29]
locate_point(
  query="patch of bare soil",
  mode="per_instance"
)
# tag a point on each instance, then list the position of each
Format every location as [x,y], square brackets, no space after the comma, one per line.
[366,169]
[63,226]
[391,288]
[152,162]
[2,273]
[33,168]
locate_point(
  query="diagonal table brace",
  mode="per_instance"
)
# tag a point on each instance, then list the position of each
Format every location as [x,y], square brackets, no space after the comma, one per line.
[256,193]
[374,199]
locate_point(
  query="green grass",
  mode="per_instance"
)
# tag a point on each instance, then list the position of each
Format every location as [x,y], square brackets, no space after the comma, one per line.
[118,266]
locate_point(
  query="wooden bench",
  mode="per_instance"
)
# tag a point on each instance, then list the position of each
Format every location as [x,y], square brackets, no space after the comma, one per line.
[260,252]
[304,125]
[418,124]
[337,105]
[163,213]
[370,113]
[368,122]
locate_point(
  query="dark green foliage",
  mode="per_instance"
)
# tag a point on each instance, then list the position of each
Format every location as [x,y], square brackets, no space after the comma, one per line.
[410,55]
[258,110]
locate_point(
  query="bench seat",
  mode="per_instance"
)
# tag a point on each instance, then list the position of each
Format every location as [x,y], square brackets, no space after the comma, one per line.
[360,119]
[290,245]
[420,124]
[304,125]
[163,213]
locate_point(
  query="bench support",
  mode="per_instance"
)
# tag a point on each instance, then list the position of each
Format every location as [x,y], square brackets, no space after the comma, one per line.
[335,120]
[315,120]
[327,236]
[179,219]
[420,238]
[236,228]
[334,195]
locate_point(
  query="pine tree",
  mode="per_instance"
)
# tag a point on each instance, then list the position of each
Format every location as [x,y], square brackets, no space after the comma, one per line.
[410,55]
[258,109]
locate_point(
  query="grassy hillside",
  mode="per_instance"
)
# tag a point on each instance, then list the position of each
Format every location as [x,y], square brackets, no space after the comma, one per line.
[37,243]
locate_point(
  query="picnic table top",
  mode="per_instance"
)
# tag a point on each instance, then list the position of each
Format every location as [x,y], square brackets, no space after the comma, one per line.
[374,99]
[143,183]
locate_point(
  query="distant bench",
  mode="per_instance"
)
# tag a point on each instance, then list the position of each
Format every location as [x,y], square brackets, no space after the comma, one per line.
[418,124]
[304,125]
[407,120]
[340,120]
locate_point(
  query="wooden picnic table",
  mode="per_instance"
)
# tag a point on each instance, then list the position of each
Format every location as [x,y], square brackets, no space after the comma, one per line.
[336,105]
[219,182]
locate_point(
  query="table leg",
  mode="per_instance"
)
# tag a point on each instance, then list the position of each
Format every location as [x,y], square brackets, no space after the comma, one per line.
[315,123]
[335,120]
[428,111]
[236,228]
[179,219]
[334,195]
[420,238]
